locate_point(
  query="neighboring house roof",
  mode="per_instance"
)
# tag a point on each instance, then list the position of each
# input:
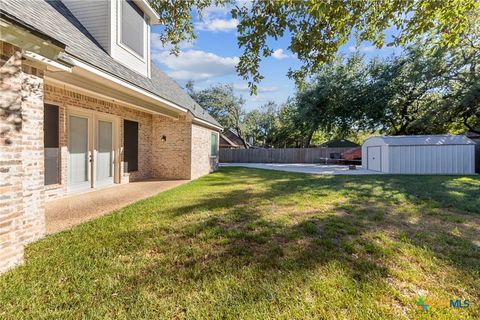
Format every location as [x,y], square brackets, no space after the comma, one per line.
[225,142]
[339,143]
[422,140]
[233,136]
[52,18]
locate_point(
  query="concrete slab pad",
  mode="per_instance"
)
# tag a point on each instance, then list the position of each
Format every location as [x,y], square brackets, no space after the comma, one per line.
[63,213]
[313,168]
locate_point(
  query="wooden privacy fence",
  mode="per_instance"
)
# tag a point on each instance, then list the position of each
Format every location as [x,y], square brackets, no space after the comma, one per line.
[288,155]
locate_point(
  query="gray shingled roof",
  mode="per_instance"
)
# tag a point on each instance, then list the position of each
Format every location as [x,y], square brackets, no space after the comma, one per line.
[55,20]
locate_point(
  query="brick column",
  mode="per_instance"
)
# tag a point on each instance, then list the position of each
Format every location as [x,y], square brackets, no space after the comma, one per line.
[33,224]
[22,217]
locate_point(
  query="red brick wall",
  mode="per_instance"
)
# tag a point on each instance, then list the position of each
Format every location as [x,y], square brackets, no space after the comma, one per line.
[202,162]
[171,154]
[22,217]
[168,148]
[65,97]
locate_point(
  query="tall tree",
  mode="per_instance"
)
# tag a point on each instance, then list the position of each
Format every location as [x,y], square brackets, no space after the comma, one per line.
[292,130]
[421,91]
[263,124]
[405,92]
[334,101]
[222,103]
[462,63]
[253,126]
[317,28]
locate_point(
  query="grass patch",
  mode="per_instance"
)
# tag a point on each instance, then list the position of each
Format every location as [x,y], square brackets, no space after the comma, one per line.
[255,244]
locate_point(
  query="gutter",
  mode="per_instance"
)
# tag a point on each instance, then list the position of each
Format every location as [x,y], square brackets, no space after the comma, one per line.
[51,63]
[206,123]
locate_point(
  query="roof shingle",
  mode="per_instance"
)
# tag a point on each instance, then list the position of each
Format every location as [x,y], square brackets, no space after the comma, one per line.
[55,20]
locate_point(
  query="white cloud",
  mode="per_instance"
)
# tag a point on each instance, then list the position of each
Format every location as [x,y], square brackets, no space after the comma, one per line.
[215,12]
[279,54]
[243,87]
[157,45]
[268,89]
[196,64]
[217,19]
[218,25]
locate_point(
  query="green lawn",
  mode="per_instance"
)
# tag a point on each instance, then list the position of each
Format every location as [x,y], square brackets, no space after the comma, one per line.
[255,244]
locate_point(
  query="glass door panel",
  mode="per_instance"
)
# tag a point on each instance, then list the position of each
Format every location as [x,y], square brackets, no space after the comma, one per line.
[104,149]
[79,153]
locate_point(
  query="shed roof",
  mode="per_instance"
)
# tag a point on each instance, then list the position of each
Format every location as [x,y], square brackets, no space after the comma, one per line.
[422,140]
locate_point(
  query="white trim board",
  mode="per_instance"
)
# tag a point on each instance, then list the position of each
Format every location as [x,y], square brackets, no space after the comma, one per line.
[55,82]
[50,63]
[87,69]
[204,123]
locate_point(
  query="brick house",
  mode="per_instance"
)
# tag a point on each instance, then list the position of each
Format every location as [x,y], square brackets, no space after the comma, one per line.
[83,107]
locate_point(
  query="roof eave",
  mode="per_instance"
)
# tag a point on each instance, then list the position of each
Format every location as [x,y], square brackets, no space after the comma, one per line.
[205,123]
[101,73]
[148,10]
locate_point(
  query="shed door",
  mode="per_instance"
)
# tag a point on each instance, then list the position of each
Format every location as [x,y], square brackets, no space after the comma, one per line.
[374,158]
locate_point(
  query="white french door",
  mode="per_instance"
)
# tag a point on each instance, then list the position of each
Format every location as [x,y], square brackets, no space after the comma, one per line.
[91,149]
[79,153]
[104,152]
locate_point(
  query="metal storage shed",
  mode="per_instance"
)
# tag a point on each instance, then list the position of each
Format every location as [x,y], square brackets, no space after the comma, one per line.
[436,154]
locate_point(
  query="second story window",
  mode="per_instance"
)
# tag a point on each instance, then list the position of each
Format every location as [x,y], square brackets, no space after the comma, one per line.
[132,27]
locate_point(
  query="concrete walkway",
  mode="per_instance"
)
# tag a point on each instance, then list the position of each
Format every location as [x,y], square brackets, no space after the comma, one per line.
[63,213]
[313,168]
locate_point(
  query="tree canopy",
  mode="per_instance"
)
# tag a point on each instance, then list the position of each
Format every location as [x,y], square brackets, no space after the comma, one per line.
[221,102]
[318,28]
[420,91]
[433,86]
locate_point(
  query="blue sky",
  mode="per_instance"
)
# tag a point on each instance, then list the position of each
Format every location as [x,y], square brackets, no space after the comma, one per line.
[212,57]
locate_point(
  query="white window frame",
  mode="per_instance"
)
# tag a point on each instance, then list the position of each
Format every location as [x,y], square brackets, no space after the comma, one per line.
[119,35]
[213,133]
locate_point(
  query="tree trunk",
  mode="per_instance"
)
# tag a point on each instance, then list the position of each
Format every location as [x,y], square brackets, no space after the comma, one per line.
[308,139]
[240,135]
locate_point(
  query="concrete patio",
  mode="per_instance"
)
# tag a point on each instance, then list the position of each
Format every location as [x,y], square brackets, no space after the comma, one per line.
[313,168]
[63,213]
